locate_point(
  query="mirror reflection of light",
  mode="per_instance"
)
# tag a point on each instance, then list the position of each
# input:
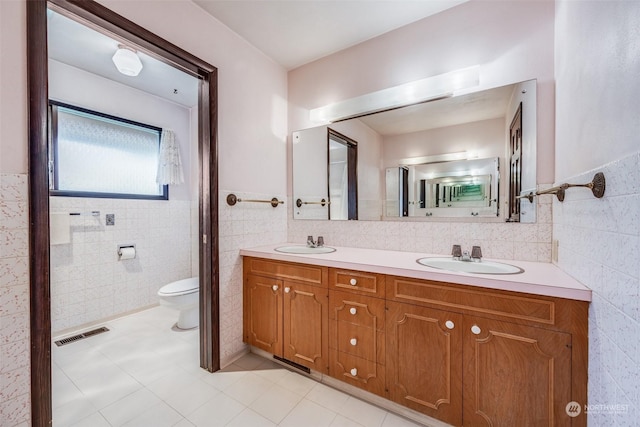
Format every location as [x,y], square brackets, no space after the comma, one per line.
[430,88]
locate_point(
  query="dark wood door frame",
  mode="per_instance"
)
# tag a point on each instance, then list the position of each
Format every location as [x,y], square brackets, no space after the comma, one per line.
[99,17]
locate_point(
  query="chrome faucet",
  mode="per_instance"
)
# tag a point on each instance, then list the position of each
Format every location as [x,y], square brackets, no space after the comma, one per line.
[456,252]
[313,244]
[310,242]
[475,255]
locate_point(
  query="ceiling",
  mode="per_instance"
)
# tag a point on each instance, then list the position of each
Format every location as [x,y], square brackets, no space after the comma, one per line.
[291,32]
[296,32]
[77,45]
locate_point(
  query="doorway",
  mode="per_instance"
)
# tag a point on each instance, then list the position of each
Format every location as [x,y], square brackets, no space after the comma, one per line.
[101,18]
[342,176]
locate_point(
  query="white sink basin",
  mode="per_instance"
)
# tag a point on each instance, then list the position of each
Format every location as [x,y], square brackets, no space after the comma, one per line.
[302,249]
[483,267]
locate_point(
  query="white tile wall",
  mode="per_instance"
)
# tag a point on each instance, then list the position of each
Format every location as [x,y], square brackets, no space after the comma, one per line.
[15,401]
[599,245]
[242,226]
[525,242]
[88,283]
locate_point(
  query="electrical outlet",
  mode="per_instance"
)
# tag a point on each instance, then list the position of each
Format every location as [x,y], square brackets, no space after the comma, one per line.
[554,250]
[110,219]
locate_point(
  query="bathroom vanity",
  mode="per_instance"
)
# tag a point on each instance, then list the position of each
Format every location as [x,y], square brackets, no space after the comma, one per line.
[472,349]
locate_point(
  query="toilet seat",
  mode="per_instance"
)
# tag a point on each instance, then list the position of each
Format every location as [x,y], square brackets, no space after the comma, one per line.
[180,287]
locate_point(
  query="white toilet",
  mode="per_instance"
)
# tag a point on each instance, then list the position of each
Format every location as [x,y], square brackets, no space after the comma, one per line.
[183,296]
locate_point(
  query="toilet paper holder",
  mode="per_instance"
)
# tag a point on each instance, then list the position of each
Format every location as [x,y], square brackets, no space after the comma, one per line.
[126,253]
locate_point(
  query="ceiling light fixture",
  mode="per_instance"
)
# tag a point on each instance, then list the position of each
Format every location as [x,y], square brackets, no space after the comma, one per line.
[127,61]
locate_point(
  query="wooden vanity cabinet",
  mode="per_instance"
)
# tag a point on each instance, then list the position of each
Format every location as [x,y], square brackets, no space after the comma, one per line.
[424,360]
[262,316]
[285,311]
[461,354]
[356,329]
[515,374]
[494,358]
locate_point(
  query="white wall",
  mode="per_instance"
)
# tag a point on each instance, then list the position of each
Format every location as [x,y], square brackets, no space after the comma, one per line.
[82,89]
[310,151]
[597,129]
[88,283]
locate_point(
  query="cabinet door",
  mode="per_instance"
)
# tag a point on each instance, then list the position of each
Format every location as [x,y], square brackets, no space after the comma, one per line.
[306,325]
[515,375]
[263,313]
[424,360]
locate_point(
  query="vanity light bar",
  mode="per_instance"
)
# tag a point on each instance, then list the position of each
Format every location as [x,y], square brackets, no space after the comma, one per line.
[418,91]
[438,158]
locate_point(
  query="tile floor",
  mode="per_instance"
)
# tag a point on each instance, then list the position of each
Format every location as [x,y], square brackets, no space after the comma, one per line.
[143,373]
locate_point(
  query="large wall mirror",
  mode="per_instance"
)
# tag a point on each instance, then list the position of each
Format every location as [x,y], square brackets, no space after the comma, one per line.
[466,156]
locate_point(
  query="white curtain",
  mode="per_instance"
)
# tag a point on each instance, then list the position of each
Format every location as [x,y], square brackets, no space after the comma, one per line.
[169,164]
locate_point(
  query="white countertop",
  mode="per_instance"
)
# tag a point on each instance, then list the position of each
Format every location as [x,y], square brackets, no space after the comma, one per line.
[538,278]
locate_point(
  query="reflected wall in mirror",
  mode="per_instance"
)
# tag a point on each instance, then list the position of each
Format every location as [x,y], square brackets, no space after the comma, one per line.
[356,195]
[392,145]
[444,189]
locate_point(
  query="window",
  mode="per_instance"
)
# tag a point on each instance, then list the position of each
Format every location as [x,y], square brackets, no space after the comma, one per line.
[96,155]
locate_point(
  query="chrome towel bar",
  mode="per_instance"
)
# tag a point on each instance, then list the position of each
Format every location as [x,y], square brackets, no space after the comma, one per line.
[322,202]
[232,199]
[597,186]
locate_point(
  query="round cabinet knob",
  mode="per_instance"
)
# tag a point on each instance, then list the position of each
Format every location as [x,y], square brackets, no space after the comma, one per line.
[449,324]
[354,372]
[274,287]
[287,289]
[353,310]
[353,341]
[353,282]
[475,329]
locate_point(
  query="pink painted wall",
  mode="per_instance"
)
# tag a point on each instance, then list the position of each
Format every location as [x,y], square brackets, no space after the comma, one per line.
[13,87]
[510,40]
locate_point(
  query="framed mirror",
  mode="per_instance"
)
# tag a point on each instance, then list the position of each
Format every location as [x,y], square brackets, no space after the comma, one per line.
[413,158]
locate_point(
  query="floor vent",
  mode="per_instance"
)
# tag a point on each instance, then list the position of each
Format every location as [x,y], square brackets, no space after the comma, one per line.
[81,336]
[294,364]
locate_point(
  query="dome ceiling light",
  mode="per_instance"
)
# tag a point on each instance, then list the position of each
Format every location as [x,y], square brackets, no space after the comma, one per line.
[127,61]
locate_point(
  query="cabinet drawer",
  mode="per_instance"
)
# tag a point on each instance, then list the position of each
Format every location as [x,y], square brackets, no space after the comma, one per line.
[310,274]
[356,309]
[358,341]
[357,281]
[358,372]
[508,305]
